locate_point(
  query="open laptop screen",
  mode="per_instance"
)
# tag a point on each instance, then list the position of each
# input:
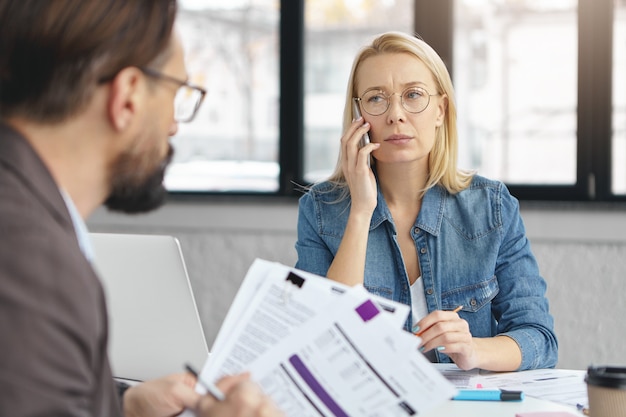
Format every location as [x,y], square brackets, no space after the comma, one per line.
[154,323]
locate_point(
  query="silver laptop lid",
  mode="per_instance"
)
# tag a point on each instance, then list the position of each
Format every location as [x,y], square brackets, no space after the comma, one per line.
[154,323]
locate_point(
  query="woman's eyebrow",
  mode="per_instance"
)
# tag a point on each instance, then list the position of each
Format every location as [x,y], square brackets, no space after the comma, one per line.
[414,83]
[404,85]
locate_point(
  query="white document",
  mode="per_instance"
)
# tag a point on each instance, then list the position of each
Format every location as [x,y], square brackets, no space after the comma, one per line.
[320,348]
[349,361]
[558,385]
[272,301]
[459,378]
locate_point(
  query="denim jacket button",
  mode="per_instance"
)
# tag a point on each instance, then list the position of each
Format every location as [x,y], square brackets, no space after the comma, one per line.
[416,230]
[429,291]
[423,250]
[473,302]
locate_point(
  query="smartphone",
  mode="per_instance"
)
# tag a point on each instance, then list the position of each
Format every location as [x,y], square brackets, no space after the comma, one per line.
[357,113]
[366,138]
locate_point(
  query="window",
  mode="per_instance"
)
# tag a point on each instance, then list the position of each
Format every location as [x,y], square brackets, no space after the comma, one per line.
[540,91]
[506,52]
[232,144]
[515,76]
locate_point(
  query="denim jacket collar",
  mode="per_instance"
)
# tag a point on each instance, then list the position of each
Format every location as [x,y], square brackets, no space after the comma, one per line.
[429,218]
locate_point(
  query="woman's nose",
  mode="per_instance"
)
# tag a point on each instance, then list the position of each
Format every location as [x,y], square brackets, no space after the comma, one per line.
[396,111]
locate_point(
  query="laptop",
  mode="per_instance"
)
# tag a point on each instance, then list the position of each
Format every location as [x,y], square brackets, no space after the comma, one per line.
[154,325]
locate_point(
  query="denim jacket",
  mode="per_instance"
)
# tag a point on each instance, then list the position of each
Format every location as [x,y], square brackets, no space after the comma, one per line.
[472,250]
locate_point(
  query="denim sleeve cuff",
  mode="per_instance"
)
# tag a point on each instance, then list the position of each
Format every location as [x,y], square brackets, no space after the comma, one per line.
[536,353]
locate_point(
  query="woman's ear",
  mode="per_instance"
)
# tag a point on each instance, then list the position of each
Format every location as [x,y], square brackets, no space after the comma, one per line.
[124,96]
[442,108]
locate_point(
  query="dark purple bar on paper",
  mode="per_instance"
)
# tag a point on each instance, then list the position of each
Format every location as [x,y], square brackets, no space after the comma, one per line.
[321,393]
[367,310]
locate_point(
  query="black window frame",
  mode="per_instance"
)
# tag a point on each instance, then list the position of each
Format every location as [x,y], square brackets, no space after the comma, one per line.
[434,22]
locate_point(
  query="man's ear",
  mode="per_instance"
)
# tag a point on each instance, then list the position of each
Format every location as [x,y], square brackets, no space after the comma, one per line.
[124,97]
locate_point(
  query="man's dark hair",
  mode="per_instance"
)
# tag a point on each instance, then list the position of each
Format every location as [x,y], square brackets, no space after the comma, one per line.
[53,53]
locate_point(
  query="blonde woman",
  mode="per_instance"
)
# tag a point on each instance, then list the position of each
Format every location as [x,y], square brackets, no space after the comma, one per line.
[416,229]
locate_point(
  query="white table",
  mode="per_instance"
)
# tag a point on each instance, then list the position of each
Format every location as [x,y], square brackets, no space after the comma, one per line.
[497,408]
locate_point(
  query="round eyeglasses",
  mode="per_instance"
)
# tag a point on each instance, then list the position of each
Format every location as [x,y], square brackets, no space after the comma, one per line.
[188,97]
[376,102]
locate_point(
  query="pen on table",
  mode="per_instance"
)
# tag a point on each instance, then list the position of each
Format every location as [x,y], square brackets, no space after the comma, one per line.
[419,332]
[582,409]
[211,388]
[488,395]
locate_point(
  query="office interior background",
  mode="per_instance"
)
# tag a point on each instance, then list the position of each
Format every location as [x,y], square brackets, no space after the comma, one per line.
[541,96]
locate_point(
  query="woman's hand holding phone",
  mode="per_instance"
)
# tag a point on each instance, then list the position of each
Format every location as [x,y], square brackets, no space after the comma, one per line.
[359,177]
[357,113]
[365,139]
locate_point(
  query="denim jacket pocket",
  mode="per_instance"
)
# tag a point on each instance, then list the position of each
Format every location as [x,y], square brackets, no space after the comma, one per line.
[471,297]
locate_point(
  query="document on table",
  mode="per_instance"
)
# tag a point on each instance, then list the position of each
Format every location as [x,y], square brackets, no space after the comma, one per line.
[319,348]
[459,378]
[557,385]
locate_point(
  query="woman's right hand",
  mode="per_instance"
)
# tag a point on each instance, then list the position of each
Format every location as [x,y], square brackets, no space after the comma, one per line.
[348,266]
[359,176]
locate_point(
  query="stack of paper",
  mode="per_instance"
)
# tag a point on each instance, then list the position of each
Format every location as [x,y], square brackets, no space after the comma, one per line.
[319,348]
[564,386]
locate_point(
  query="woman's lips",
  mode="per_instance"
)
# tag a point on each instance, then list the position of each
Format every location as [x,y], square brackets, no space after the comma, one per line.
[398,139]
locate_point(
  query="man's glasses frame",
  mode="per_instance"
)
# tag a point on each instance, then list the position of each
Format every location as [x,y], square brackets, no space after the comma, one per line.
[187,96]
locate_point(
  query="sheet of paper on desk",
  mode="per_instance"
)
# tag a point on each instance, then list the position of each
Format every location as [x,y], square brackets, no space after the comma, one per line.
[558,385]
[459,378]
[349,361]
[268,307]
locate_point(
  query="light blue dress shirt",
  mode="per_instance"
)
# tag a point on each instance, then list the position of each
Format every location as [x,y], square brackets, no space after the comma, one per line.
[80,228]
[472,250]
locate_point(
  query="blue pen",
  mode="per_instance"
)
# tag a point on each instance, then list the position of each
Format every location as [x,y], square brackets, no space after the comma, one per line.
[488,395]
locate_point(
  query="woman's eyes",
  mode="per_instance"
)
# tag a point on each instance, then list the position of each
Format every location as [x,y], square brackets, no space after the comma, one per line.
[377,98]
[414,94]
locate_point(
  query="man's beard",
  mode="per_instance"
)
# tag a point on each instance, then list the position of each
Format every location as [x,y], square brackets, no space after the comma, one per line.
[128,196]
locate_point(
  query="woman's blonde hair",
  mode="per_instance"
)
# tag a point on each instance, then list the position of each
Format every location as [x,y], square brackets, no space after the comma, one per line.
[443,157]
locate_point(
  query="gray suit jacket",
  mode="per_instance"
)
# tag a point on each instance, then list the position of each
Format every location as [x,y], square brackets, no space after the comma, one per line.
[53,320]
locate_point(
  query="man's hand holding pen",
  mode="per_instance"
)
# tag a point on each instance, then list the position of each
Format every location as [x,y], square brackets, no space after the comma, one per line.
[243,398]
[234,396]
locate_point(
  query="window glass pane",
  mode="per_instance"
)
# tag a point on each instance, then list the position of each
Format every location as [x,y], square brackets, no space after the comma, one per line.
[232,50]
[619,99]
[515,73]
[334,32]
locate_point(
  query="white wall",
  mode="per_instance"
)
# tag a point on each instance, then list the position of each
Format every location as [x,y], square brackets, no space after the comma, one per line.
[581,253]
